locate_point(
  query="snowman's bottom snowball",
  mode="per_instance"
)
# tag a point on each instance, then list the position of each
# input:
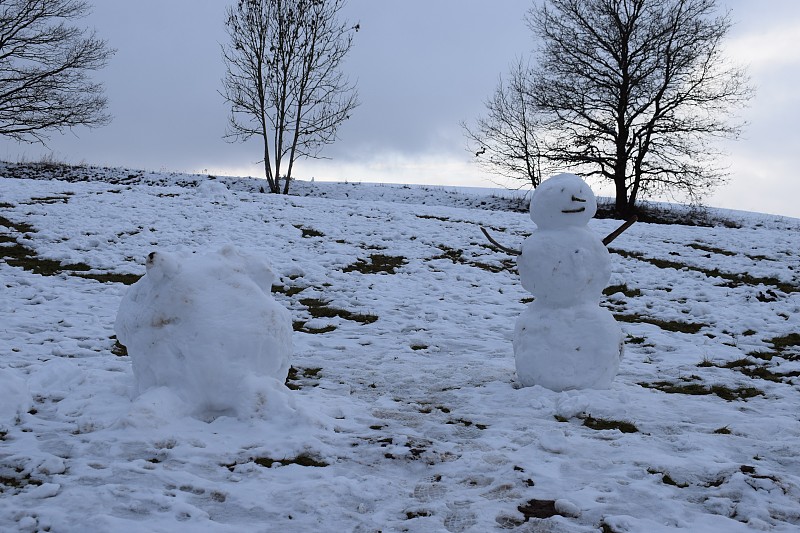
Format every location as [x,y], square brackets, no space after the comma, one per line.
[577,347]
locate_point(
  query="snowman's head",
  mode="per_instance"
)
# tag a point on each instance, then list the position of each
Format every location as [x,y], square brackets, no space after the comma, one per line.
[562,201]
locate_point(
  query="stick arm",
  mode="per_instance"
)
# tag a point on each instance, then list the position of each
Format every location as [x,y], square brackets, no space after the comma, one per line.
[606,241]
[499,246]
[617,232]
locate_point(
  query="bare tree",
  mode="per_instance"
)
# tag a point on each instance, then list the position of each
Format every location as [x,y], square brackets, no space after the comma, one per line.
[44,69]
[635,91]
[504,141]
[283,81]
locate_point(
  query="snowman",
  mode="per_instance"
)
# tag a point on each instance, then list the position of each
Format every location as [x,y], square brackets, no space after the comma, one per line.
[564,339]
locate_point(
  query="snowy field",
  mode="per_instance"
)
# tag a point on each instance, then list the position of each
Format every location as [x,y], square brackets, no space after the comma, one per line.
[404,412]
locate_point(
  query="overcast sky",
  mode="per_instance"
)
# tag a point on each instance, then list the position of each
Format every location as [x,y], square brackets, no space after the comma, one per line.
[421,67]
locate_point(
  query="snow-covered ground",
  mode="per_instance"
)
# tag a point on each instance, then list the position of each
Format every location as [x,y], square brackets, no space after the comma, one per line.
[405,413]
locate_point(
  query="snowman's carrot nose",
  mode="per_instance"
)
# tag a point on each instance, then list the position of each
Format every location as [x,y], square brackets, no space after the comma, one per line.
[576,199]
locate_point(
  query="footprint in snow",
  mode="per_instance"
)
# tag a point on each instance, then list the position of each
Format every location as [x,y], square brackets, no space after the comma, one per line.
[459,517]
[429,489]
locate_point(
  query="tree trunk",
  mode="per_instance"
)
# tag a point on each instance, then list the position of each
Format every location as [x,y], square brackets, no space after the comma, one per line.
[286,180]
[620,182]
[273,185]
[634,193]
[621,204]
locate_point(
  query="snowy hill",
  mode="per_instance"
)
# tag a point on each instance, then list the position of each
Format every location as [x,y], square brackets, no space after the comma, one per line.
[408,413]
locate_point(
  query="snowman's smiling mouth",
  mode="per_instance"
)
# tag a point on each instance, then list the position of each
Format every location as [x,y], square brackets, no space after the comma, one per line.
[578,209]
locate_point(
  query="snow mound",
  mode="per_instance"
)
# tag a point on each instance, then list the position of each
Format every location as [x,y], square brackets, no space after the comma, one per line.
[207,328]
[214,190]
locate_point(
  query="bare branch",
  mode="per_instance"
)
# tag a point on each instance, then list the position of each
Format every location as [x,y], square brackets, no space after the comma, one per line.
[44,69]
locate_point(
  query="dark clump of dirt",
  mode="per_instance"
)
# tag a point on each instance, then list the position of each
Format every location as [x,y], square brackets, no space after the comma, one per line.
[308,233]
[623,288]
[17,481]
[377,264]
[111,277]
[303,459]
[699,389]
[318,308]
[538,509]
[667,325]
[602,424]
[299,378]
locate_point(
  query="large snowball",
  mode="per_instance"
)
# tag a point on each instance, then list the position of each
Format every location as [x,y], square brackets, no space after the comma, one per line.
[206,327]
[567,266]
[577,347]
